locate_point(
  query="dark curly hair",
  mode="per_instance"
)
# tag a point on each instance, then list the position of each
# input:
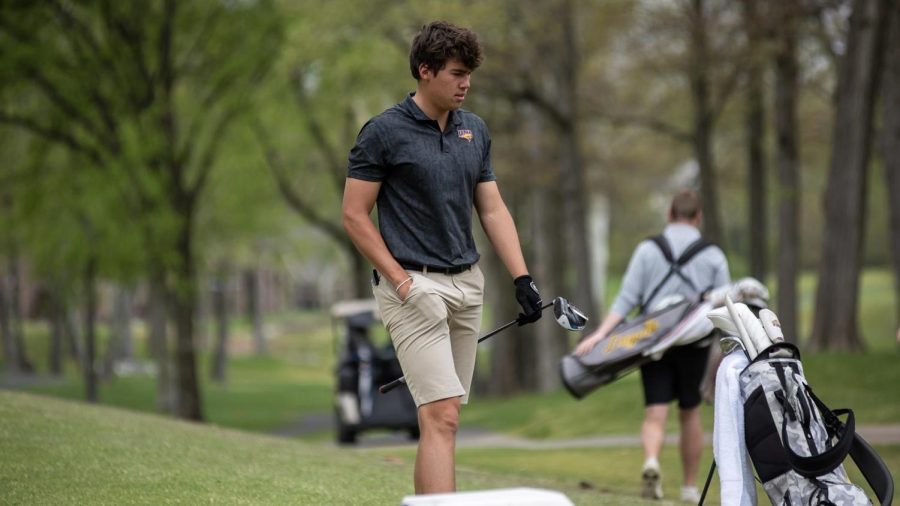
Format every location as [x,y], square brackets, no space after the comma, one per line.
[440,41]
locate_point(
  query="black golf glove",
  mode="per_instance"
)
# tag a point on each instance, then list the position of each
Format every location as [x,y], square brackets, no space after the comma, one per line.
[529,298]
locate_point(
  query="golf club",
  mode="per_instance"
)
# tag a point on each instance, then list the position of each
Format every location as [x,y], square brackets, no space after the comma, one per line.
[567,316]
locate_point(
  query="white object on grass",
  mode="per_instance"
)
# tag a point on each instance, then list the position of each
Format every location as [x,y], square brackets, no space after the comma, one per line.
[501,497]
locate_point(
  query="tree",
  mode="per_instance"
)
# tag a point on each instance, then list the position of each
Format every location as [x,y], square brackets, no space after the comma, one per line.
[147,93]
[755,131]
[786,161]
[835,325]
[890,101]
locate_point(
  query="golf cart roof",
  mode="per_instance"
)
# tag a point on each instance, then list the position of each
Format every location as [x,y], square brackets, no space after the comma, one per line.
[347,308]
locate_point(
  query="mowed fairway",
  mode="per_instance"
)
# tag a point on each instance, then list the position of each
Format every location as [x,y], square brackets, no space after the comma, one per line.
[64,452]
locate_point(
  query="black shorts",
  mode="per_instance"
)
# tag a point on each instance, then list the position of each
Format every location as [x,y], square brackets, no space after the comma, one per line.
[677,375]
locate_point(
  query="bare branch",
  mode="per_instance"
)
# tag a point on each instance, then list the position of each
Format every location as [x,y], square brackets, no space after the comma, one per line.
[329,153]
[653,124]
[54,135]
[209,154]
[293,199]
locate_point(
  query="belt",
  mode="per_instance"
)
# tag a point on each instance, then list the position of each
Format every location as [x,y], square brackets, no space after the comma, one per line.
[433,268]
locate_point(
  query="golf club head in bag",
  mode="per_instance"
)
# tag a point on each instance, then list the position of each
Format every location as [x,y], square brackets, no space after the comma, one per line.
[568,316]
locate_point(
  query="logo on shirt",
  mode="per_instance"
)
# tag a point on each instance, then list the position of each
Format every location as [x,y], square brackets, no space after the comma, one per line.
[465,134]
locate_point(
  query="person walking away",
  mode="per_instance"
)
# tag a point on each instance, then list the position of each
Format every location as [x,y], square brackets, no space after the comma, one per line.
[677,375]
[426,163]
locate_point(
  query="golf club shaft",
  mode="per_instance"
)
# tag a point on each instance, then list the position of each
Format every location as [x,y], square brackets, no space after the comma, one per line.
[508,325]
[401,380]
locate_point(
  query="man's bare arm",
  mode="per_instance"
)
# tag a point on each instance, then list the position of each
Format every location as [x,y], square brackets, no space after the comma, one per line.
[499,227]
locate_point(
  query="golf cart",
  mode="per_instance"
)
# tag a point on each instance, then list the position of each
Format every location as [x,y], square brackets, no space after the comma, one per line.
[363,365]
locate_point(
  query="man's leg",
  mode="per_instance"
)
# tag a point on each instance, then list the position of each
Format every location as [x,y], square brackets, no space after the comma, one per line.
[691,444]
[435,459]
[653,430]
[653,434]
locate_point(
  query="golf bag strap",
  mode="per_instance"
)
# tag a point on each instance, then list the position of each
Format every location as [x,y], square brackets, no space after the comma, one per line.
[867,459]
[675,264]
[712,469]
[873,469]
[825,462]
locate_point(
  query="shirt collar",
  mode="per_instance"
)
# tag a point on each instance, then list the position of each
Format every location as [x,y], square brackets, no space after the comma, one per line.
[409,105]
[683,229]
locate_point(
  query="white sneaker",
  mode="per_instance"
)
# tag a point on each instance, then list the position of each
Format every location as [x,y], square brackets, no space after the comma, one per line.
[651,480]
[690,494]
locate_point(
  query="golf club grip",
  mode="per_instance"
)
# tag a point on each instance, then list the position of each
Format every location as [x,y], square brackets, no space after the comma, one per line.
[392,385]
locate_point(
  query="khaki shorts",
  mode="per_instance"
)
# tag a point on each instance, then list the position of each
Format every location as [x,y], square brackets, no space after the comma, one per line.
[435,331]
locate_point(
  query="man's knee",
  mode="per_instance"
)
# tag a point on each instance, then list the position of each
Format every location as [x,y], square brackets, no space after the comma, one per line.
[441,416]
[690,415]
[656,413]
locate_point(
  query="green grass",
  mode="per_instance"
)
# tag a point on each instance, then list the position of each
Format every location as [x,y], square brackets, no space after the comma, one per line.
[63,452]
[261,393]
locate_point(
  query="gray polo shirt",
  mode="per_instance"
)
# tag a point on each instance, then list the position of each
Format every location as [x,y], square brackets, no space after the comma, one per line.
[428,180]
[648,266]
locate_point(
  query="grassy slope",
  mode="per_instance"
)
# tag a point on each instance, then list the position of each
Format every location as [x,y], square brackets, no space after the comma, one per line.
[63,452]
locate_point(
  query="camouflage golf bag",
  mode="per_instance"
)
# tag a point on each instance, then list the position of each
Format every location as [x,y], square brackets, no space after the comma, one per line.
[796,443]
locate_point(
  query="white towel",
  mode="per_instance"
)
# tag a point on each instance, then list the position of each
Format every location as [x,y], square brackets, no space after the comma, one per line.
[737,485]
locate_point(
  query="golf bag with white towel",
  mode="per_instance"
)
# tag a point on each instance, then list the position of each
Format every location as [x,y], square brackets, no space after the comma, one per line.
[767,414]
[675,321]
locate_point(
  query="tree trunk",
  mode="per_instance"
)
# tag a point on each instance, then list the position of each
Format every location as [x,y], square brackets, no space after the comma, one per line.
[220,314]
[56,325]
[189,403]
[121,344]
[554,342]
[159,345]
[551,343]
[836,324]
[703,124]
[573,184]
[73,338]
[499,292]
[90,335]
[890,90]
[10,352]
[15,313]
[788,195]
[755,129]
[254,311]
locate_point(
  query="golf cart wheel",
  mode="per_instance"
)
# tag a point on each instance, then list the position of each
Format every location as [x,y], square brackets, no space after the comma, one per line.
[345,434]
[414,433]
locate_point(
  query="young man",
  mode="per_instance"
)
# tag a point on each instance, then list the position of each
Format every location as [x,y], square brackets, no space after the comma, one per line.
[679,372]
[426,163]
